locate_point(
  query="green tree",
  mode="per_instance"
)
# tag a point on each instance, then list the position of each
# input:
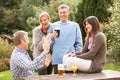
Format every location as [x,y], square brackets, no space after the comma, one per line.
[9,3]
[14,14]
[8,16]
[96,8]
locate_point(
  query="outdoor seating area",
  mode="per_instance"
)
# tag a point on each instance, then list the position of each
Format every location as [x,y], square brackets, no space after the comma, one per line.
[104,75]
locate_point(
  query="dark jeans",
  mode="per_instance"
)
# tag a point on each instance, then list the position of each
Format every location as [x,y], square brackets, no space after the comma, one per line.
[45,71]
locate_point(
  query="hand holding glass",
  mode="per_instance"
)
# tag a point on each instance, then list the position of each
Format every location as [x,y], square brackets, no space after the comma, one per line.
[57,29]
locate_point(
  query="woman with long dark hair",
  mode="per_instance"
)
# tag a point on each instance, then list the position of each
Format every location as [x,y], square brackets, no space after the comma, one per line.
[93,55]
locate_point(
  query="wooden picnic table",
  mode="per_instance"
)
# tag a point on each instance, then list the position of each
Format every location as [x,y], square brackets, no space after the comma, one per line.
[104,75]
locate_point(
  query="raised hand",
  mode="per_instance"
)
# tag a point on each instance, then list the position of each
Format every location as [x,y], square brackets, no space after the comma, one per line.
[47,60]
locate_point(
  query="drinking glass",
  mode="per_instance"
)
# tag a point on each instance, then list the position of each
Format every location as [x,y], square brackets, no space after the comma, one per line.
[74,69]
[60,70]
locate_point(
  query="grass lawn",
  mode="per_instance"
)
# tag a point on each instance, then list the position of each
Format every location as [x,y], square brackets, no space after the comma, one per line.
[112,67]
[6,75]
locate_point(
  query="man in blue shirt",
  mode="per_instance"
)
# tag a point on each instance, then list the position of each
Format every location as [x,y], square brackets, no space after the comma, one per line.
[70,38]
[21,64]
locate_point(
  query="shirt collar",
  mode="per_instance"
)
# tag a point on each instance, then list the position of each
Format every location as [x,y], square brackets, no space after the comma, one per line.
[64,22]
[21,50]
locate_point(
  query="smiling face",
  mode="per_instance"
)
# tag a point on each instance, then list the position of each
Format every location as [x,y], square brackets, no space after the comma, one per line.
[44,21]
[91,25]
[88,27]
[63,14]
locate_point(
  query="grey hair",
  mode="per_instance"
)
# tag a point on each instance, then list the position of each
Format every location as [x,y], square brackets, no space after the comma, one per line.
[64,6]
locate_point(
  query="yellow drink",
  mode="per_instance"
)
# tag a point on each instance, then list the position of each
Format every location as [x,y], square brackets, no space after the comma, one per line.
[74,68]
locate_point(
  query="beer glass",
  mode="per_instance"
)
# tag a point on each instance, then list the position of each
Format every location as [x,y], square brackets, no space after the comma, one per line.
[60,70]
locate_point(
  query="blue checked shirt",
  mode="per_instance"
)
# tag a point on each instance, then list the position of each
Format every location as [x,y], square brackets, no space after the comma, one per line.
[21,64]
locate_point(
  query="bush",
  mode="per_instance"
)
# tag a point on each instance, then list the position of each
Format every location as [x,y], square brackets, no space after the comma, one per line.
[5,52]
[113,33]
[113,39]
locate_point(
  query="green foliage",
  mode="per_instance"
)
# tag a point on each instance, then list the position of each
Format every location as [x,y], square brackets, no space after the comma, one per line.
[9,21]
[9,13]
[25,13]
[113,32]
[9,3]
[96,8]
[111,67]
[14,14]
[5,52]
[33,21]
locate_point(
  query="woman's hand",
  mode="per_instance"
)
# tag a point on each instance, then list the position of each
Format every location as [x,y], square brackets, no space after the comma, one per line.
[72,54]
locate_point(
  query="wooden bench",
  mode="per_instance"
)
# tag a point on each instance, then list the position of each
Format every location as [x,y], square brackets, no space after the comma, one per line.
[104,75]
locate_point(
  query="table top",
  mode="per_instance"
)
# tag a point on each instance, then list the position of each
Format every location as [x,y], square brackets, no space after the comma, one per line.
[104,75]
